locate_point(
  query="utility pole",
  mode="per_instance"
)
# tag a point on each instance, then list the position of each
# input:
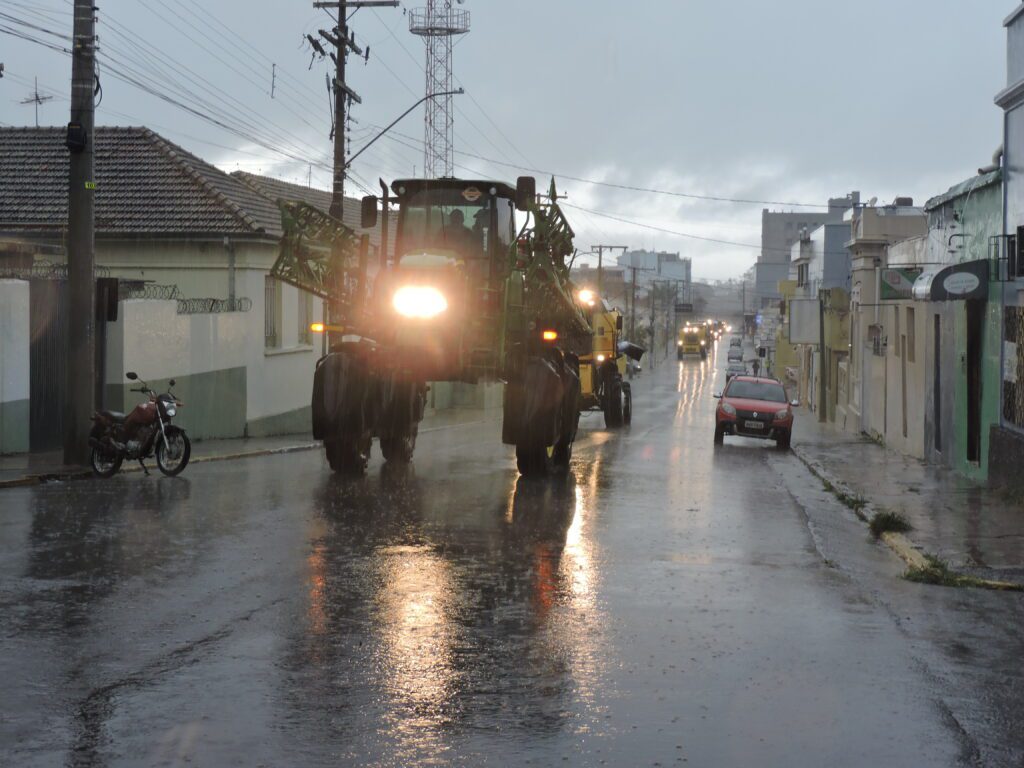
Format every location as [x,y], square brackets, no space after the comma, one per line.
[654,344]
[343,42]
[81,329]
[600,253]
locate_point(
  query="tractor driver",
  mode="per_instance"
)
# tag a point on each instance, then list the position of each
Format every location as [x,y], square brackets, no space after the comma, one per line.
[457,234]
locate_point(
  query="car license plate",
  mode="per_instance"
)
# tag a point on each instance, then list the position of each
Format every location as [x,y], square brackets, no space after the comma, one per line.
[753,425]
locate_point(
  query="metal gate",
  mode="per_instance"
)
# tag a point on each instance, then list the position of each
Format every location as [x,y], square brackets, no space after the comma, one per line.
[48,353]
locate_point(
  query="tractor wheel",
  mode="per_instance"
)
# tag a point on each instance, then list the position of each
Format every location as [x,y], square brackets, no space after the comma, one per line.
[627,404]
[613,405]
[534,461]
[346,456]
[400,449]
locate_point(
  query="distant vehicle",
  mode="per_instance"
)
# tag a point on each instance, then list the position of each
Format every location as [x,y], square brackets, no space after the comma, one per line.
[735,341]
[757,407]
[735,368]
[735,353]
[692,341]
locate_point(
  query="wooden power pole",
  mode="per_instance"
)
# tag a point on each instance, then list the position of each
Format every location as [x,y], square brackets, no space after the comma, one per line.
[343,42]
[81,331]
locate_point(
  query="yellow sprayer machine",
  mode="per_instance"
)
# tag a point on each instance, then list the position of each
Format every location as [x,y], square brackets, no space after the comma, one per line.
[602,369]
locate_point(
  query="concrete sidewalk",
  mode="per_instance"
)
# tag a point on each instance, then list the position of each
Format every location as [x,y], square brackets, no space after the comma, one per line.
[973,528]
[34,468]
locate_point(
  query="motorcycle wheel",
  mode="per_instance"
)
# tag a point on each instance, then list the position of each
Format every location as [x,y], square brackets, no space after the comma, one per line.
[105,463]
[173,462]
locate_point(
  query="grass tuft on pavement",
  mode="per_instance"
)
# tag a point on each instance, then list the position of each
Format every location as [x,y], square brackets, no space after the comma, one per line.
[938,572]
[887,521]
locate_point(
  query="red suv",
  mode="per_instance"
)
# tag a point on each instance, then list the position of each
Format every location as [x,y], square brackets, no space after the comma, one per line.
[753,406]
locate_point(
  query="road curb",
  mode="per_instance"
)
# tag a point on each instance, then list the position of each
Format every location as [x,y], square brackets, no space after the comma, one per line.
[912,554]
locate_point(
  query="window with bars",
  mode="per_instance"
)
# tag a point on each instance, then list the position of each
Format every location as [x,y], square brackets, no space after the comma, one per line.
[271,312]
[305,307]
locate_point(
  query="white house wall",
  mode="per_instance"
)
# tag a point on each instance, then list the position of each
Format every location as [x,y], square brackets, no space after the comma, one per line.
[14,366]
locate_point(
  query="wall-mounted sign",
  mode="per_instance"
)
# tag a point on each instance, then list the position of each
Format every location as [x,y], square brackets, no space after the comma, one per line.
[968,280]
[684,309]
[898,283]
[961,283]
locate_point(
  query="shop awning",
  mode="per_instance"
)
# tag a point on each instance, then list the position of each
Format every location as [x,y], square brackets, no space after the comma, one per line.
[968,280]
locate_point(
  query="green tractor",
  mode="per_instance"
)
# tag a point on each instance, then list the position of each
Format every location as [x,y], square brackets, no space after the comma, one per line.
[466,298]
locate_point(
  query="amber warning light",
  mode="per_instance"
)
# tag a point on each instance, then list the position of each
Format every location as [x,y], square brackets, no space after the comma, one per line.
[321,327]
[549,335]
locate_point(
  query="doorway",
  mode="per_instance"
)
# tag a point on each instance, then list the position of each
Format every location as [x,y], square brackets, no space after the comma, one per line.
[937,379]
[975,323]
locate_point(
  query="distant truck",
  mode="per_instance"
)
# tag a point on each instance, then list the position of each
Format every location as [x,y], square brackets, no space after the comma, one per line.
[692,341]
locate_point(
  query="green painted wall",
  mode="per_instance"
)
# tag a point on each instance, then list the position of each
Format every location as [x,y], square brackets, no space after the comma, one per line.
[289,423]
[14,423]
[215,402]
[979,216]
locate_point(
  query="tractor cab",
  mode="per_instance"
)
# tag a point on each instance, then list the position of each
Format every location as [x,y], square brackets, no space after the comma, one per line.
[439,299]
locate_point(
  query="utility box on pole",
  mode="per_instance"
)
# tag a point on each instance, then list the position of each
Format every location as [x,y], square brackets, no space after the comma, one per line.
[81,369]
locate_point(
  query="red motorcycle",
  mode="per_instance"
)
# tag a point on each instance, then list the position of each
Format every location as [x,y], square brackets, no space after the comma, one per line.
[146,431]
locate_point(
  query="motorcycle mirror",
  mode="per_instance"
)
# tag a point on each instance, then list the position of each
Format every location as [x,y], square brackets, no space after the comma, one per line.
[170,383]
[131,376]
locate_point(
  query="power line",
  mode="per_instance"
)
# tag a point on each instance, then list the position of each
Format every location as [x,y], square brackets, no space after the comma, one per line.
[634,223]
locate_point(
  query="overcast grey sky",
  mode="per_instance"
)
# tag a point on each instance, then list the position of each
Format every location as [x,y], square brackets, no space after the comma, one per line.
[795,100]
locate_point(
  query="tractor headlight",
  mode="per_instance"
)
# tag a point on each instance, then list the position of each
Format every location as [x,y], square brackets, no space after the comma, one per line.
[600,358]
[702,342]
[419,301]
[679,343]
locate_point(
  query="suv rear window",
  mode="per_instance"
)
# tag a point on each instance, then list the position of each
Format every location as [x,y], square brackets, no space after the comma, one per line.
[756,390]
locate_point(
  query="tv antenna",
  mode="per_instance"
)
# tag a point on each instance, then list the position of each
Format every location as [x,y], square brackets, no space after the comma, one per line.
[37,99]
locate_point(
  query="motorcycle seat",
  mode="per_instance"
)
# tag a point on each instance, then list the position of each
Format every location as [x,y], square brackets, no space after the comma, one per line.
[115,416]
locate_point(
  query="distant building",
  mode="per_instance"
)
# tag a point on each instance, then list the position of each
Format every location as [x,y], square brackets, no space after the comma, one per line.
[657,265]
[780,231]
[613,281]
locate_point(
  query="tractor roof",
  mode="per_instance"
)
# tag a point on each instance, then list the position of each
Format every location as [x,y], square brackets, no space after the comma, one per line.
[413,186]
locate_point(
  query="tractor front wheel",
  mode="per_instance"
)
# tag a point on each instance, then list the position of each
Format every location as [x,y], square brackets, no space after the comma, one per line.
[347,456]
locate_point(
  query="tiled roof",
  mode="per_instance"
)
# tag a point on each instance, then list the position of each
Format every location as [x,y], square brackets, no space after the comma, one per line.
[146,185]
[275,189]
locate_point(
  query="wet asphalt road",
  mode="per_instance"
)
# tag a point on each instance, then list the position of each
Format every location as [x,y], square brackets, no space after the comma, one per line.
[668,604]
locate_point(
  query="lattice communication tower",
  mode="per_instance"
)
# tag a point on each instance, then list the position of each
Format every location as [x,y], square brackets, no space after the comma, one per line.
[438,24]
